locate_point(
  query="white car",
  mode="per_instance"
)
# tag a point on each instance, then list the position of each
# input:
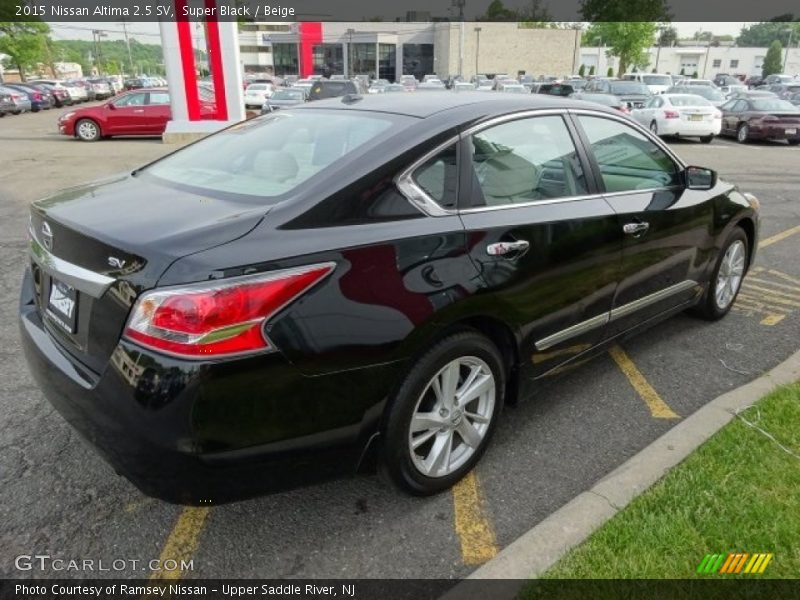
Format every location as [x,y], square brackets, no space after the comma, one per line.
[704,82]
[256,94]
[514,88]
[684,115]
[655,82]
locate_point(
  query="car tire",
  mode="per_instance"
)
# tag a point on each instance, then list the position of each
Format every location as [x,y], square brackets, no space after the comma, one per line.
[742,133]
[654,128]
[437,455]
[707,139]
[87,130]
[793,142]
[729,271]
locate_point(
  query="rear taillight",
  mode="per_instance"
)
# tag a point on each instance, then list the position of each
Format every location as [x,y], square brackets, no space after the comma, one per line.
[37,96]
[218,319]
[671,114]
[770,118]
[623,109]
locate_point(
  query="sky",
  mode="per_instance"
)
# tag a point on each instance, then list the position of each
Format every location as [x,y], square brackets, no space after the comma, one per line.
[148,32]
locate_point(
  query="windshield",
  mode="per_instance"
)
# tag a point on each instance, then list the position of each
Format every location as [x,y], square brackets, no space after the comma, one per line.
[657,79]
[688,101]
[271,156]
[770,104]
[629,87]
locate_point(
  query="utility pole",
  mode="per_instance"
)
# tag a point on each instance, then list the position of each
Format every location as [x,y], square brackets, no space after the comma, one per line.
[128,44]
[477,48]
[788,48]
[350,33]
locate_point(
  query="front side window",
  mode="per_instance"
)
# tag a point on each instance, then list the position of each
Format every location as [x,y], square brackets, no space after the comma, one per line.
[525,161]
[271,156]
[131,100]
[628,161]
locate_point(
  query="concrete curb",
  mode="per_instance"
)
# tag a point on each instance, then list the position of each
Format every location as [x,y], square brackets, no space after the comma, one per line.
[537,550]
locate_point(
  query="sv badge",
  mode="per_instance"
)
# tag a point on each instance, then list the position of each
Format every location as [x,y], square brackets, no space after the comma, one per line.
[115,262]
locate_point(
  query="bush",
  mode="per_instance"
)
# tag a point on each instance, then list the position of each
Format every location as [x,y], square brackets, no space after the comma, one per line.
[610,72]
[582,70]
[591,70]
[773,62]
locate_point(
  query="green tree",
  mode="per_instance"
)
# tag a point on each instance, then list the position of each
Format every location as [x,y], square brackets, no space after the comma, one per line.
[624,10]
[668,36]
[591,70]
[762,34]
[24,42]
[610,72]
[626,40]
[582,71]
[497,11]
[773,61]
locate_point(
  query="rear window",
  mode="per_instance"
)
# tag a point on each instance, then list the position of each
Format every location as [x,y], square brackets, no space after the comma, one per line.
[657,79]
[772,104]
[629,87]
[332,89]
[689,101]
[271,156]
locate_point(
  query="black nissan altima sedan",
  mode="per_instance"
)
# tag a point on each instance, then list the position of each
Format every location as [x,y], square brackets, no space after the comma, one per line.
[362,283]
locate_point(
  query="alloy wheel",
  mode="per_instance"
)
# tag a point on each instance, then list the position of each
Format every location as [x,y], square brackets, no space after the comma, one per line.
[729,278]
[452,416]
[87,130]
[654,128]
[742,134]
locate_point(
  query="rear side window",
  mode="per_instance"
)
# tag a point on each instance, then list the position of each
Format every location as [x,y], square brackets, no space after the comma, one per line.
[628,161]
[159,98]
[438,177]
[525,161]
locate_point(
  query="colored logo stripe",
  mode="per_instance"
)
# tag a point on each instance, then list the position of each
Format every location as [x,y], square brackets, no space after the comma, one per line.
[734,562]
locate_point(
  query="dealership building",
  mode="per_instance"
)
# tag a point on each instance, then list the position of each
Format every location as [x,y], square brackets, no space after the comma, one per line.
[391,49]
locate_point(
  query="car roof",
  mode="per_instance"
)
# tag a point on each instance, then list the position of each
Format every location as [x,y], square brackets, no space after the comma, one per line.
[431,103]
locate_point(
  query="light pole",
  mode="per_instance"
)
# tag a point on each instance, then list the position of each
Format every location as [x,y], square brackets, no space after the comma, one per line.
[350,33]
[788,47]
[477,48]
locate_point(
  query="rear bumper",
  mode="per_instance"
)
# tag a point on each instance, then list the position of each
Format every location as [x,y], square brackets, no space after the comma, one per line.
[198,433]
[774,133]
[688,128]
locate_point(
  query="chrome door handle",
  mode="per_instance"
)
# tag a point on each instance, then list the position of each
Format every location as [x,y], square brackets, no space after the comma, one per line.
[506,248]
[139,110]
[636,229]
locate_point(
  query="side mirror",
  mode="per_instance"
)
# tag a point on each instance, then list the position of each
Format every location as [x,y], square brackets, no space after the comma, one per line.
[700,178]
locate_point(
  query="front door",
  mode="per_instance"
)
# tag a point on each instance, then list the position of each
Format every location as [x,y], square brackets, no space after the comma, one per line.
[666,227]
[127,115]
[546,245]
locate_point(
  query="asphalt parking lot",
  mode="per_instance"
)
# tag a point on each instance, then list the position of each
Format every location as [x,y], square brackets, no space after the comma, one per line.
[58,498]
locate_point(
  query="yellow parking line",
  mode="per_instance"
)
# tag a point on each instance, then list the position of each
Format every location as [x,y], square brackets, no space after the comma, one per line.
[774,300]
[772,319]
[778,237]
[183,540]
[781,293]
[658,408]
[784,276]
[786,286]
[474,530]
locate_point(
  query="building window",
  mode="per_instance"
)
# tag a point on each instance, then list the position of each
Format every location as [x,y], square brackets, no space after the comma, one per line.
[717,63]
[328,59]
[417,60]
[734,64]
[284,59]
[255,49]
[363,60]
[387,57]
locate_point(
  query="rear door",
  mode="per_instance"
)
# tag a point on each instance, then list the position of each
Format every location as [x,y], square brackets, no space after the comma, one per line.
[667,227]
[157,111]
[547,246]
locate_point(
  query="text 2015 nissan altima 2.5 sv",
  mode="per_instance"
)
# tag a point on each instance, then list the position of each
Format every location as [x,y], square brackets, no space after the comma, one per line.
[361,282]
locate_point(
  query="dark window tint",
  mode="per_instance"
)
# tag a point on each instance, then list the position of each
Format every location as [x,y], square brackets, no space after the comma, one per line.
[331,89]
[525,161]
[131,100]
[627,159]
[438,176]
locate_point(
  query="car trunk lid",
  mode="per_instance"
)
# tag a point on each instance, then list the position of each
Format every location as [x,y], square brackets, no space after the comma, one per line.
[95,248]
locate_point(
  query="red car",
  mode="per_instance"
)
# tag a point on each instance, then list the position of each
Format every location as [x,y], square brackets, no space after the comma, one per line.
[138,112]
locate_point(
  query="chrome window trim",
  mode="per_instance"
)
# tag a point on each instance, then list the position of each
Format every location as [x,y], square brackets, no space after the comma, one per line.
[414,193]
[83,280]
[612,315]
